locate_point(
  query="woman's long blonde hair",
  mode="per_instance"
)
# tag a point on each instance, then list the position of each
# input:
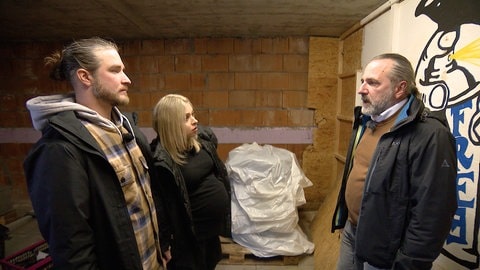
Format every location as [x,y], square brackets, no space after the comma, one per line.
[169,123]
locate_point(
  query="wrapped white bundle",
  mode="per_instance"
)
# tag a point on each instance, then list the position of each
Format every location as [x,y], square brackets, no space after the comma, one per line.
[267,187]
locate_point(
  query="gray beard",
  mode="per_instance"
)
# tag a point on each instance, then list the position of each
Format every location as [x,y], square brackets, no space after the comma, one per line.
[379,108]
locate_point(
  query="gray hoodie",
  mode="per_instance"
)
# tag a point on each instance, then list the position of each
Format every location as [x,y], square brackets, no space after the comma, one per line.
[43,107]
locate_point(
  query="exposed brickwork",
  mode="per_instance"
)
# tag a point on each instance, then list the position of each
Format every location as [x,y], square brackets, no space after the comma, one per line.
[11,170]
[233,82]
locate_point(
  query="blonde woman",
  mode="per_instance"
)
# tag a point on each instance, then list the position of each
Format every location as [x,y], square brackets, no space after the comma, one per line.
[193,182]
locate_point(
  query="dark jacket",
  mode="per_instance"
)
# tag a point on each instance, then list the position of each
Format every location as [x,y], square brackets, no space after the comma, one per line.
[172,188]
[78,200]
[409,195]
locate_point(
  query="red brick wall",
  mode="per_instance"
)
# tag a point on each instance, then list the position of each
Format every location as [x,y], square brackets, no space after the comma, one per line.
[232,82]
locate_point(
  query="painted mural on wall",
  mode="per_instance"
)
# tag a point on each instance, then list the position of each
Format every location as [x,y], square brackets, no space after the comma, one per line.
[448,75]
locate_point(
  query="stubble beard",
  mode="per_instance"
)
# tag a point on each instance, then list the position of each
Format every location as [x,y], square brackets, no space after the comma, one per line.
[111,97]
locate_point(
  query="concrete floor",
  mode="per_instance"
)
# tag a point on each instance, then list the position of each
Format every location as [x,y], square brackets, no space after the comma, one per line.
[24,232]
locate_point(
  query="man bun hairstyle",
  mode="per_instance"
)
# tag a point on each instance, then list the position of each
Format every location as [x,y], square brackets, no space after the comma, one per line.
[78,54]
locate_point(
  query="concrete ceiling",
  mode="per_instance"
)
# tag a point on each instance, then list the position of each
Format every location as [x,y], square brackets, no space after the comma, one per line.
[48,20]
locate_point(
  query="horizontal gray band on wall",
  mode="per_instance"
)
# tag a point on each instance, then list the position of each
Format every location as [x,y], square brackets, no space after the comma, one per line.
[264,135]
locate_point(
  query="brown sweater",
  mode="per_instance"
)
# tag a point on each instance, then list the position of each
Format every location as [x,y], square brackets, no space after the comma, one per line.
[361,161]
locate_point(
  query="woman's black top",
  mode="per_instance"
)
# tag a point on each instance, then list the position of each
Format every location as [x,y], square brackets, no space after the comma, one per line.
[208,197]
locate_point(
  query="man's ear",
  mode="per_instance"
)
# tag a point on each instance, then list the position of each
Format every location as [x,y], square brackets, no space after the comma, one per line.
[401,90]
[84,76]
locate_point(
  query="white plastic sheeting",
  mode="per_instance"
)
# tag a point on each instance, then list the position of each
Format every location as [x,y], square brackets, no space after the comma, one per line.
[267,187]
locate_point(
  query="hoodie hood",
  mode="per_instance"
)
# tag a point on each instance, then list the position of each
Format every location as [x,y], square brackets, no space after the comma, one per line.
[43,107]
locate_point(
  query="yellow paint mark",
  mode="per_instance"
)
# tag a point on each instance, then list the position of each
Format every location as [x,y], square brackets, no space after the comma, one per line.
[469,53]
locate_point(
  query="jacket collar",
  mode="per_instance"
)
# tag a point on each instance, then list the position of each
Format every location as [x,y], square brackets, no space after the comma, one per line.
[67,124]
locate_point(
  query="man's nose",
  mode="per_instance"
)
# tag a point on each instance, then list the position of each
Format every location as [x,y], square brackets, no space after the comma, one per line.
[126,79]
[362,89]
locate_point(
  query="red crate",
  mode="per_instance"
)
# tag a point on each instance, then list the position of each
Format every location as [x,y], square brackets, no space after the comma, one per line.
[26,259]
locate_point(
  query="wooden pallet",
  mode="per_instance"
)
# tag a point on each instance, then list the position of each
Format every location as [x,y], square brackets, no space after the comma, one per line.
[234,253]
[8,217]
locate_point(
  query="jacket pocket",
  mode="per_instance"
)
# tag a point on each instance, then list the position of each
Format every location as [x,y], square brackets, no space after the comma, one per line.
[125,175]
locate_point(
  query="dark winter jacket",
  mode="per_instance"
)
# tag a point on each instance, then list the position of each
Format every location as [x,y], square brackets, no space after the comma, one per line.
[172,188]
[78,200]
[410,191]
